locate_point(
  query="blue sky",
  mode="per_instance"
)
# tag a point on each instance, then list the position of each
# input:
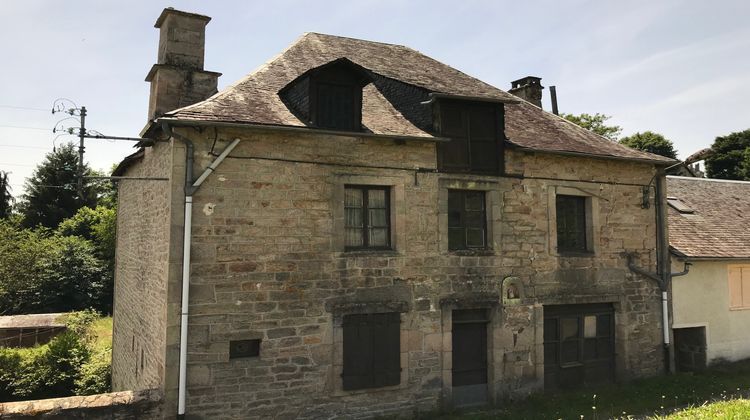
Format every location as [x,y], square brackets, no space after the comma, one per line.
[680,68]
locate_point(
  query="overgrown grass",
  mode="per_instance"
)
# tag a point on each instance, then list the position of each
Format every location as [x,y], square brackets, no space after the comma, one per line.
[76,362]
[649,397]
[733,409]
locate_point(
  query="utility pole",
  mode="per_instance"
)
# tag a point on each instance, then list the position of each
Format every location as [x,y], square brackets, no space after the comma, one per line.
[81,136]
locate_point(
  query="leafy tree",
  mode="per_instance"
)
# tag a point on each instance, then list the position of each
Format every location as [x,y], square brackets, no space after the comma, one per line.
[731,157]
[45,272]
[651,142]
[51,192]
[6,199]
[97,226]
[596,124]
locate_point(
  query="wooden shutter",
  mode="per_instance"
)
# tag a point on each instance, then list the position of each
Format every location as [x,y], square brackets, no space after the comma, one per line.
[454,124]
[372,350]
[483,138]
[735,287]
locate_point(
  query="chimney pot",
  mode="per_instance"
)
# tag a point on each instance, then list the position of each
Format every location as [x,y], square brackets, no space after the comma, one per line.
[529,89]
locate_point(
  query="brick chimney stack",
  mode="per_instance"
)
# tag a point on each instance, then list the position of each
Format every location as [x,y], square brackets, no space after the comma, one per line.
[178,78]
[529,89]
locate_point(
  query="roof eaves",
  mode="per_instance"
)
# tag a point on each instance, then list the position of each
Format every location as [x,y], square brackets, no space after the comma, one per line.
[591,155]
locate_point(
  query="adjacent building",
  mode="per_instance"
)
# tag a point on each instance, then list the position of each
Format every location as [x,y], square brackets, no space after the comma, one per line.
[361,230]
[709,228]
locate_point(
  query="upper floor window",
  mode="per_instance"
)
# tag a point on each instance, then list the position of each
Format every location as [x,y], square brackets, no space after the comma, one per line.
[739,286]
[475,133]
[571,224]
[336,96]
[467,224]
[367,215]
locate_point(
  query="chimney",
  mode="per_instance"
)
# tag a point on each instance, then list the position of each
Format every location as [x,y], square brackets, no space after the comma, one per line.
[529,89]
[178,79]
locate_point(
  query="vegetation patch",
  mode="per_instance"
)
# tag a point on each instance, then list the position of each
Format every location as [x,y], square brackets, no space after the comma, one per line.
[658,396]
[76,362]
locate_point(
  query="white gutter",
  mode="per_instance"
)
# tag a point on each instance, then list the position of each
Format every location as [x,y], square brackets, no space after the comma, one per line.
[182,386]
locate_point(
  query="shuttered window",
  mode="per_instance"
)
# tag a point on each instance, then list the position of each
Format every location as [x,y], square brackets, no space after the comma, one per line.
[372,350]
[739,286]
[571,223]
[474,131]
[467,225]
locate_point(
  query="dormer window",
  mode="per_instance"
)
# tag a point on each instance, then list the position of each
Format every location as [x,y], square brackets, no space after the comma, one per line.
[330,96]
[475,130]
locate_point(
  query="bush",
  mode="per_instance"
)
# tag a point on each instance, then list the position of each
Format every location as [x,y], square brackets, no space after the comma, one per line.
[73,363]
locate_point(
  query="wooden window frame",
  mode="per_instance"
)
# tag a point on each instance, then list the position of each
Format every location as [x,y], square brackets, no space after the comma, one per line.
[366,218]
[375,378]
[583,233]
[440,108]
[463,193]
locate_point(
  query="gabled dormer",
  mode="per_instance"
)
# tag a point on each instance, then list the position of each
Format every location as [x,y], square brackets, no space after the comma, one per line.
[330,96]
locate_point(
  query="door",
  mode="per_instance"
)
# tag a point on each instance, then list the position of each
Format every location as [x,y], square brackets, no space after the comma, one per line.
[469,357]
[579,342]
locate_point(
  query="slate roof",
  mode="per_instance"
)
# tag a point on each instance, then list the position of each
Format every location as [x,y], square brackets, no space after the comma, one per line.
[402,79]
[719,226]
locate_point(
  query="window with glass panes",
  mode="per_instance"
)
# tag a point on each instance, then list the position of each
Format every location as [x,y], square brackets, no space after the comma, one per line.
[467,225]
[367,214]
[571,223]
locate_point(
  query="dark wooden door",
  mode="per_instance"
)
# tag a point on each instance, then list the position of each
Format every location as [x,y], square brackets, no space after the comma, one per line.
[578,345]
[469,357]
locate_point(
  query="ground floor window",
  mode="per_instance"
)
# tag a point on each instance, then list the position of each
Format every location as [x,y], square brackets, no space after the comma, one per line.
[372,350]
[578,345]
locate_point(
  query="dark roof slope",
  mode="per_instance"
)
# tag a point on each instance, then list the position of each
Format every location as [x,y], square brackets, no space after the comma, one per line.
[719,225]
[256,100]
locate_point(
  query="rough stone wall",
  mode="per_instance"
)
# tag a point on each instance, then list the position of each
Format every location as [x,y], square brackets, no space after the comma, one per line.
[269,263]
[142,405]
[141,272]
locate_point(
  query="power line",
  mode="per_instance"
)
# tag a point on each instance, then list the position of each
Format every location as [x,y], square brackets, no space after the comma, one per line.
[21,127]
[24,108]
[24,147]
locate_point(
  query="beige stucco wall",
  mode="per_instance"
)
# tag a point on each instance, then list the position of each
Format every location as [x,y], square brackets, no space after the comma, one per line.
[701,299]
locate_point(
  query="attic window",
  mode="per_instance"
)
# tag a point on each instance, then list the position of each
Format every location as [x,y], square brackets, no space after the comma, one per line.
[336,96]
[678,205]
[475,133]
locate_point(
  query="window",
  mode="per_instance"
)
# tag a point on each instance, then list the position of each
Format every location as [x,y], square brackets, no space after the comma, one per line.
[367,214]
[467,224]
[571,224]
[474,130]
[336,96]
[739,286]
[372,350]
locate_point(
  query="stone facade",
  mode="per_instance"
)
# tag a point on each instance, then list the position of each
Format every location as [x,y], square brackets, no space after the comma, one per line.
[268,263]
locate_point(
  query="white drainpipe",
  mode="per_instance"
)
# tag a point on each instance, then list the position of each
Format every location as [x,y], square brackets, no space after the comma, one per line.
[182,387]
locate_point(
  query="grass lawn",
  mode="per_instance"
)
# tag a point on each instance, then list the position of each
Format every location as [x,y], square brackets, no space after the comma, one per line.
[733,409]
[648,397]
[101,330]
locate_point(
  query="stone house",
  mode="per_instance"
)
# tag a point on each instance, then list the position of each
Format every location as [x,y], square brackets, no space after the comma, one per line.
[709,228]
[355,229]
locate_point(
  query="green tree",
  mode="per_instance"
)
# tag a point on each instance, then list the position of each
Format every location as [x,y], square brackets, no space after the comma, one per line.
[651,142]
[6,198]
[44,272]
[596,124]
[51,192]
[97,226]
[731,157]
